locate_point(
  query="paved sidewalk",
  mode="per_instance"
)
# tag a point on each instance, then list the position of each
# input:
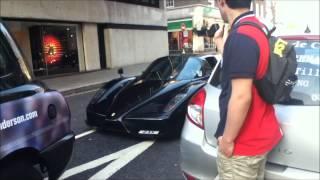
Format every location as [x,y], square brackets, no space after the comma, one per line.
[90,80]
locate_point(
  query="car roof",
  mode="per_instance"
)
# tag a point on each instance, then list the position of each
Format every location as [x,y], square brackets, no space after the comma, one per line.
[206,56]
[301,37]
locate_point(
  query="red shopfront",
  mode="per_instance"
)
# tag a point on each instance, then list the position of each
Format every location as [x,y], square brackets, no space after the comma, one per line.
[180,34]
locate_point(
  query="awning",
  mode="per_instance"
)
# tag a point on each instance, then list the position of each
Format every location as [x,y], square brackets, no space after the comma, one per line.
[176,25]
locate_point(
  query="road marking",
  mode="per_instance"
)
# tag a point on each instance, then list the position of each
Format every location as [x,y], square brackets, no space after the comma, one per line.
[85,133]
[80,93]
[122,161]
[121,158]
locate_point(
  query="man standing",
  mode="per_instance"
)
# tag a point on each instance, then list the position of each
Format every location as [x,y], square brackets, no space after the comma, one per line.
[248,128]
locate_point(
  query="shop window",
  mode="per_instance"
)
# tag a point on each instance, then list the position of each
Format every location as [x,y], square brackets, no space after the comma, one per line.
[212,3]
[180,40]
[208,42]
[169,3]
[54,50]
[173,40]
[151,3]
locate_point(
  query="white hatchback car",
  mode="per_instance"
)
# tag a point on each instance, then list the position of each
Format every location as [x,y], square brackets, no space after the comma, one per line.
[295,157]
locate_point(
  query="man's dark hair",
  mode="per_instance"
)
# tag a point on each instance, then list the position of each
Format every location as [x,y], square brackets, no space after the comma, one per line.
[235,4]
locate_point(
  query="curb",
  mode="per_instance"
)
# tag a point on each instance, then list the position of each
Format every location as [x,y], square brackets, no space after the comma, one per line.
[81,89]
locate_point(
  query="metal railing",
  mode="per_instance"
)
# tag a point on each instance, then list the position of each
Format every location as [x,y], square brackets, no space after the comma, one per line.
[189,51]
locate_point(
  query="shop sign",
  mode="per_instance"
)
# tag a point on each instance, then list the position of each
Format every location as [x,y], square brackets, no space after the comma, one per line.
[177,25]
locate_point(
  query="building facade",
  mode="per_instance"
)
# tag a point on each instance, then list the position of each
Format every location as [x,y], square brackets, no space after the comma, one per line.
[65,36]
[188,21]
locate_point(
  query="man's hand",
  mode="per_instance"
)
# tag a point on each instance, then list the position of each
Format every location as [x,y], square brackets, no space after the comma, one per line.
[219,38]
[225,147]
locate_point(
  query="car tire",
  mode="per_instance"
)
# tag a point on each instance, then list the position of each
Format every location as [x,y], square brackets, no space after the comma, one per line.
[20,171]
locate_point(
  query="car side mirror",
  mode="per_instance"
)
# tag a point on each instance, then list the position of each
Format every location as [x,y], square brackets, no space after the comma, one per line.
[120,72]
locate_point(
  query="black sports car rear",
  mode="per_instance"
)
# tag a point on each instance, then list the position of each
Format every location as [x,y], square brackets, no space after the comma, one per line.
[153,104]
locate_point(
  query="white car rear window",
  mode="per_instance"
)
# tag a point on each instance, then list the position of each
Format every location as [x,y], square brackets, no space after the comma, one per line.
[306,91]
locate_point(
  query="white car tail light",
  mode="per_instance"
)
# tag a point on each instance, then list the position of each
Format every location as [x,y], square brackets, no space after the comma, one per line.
[195,108]
[188,177]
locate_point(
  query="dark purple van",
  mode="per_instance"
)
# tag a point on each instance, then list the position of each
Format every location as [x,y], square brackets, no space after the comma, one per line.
[35,136]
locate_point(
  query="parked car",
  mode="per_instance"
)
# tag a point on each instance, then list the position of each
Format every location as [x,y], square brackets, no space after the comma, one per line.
[35,135]
[295,157]
[153,104]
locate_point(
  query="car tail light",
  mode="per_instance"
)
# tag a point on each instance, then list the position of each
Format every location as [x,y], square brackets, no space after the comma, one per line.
[195,108]
[188,176]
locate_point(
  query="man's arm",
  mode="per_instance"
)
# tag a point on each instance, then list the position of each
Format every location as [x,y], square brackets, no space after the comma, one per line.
[238,108]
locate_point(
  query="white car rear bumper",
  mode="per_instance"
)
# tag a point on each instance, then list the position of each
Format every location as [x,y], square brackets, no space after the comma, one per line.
[198,159]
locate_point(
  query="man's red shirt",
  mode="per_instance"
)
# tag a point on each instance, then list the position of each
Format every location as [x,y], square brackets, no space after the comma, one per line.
[246,55]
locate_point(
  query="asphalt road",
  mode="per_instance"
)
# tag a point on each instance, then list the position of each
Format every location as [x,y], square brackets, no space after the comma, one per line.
[105,155]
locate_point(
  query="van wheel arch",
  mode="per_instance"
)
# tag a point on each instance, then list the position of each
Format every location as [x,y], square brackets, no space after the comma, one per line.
[21,162]
[20,169]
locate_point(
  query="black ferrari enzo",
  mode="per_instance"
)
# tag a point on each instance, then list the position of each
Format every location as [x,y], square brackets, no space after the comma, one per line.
[154,103]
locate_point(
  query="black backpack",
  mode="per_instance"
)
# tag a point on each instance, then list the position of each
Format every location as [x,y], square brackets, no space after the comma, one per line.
[280,78]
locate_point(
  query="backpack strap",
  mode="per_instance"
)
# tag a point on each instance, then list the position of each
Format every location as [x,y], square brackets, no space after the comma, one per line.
[261,69]
[264,29]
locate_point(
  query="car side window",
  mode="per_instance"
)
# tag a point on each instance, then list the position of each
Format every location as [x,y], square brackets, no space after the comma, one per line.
[10,73]
[206,69]
[212,61]
[216,78]
[216,70]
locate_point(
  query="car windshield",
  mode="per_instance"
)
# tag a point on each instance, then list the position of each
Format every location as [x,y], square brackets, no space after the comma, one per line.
[7,57]
[10,74]
[174,67]
[13,70]
[306,90]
